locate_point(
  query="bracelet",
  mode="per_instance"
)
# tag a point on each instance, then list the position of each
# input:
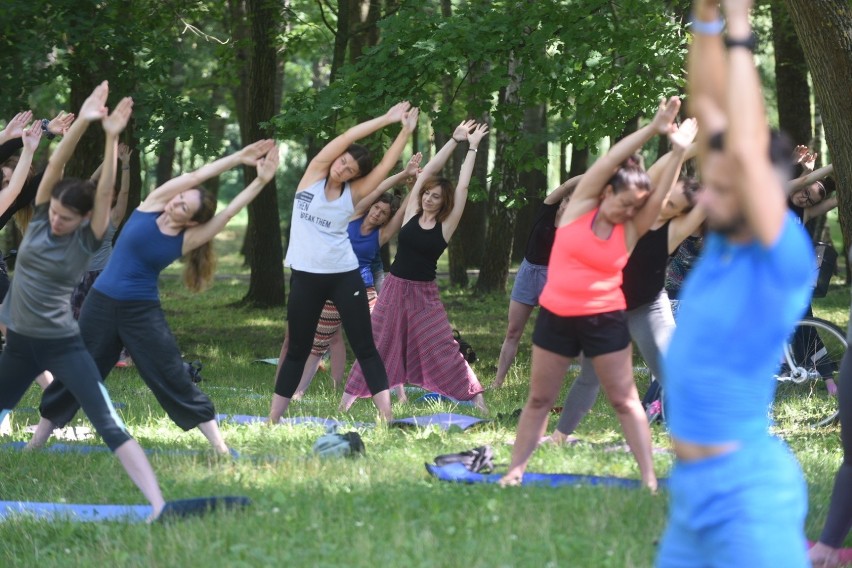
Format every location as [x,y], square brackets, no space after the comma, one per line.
[44,128]
[749,43]
[471,150]
[457,141]
[706,28]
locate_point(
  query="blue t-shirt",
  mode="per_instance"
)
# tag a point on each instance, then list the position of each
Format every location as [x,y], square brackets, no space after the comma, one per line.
[138,257]
[738,307]
[365,247]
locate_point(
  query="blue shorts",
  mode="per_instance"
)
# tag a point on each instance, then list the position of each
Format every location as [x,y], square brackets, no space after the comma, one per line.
[529,283]
[743,508]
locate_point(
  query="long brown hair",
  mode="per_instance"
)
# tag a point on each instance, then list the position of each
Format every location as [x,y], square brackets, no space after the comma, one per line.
[448,197]
[200,263]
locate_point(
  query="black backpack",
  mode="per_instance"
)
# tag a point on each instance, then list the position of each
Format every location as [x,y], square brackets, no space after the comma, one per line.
[477,460]
[465,348]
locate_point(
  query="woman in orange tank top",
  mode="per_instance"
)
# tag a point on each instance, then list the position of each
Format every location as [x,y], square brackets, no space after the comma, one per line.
[582,306]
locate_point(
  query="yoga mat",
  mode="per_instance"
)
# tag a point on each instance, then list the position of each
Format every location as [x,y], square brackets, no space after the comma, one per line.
[60,448]
[458,473]
[438,397]
[295,420]
[177,509]
[444,420]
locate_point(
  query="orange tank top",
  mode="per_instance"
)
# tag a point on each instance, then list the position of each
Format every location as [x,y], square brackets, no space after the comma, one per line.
[584,274]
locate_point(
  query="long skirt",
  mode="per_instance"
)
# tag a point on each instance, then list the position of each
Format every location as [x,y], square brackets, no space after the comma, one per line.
[414,338]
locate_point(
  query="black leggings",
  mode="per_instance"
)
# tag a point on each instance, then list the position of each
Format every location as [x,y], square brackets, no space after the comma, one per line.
[839,519]
[73,370]
[106,325]
[308,293]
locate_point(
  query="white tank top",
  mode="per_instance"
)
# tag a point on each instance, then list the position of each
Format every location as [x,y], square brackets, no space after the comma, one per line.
[319,241]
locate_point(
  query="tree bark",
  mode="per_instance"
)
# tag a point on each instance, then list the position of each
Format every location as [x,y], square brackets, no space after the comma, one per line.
[533,181]
[824,28]
[791,77]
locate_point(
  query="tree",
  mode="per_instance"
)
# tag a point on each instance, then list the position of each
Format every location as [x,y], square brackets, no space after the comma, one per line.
[824,28]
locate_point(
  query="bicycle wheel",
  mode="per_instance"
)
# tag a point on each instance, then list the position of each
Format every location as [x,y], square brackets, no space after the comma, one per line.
[813,355]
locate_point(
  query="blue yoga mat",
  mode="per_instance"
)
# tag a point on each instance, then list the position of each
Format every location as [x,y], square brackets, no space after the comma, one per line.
[295,420]
[458,473]
[444,420]
[177,509]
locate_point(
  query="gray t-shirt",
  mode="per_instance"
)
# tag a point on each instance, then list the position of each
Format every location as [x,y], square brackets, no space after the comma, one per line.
[99,261]
[47,269]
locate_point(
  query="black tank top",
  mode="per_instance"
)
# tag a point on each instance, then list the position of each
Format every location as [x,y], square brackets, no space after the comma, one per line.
[645,273]
[418,251]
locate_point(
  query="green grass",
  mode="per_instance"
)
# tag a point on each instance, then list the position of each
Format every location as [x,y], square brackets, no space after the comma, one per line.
[382,509]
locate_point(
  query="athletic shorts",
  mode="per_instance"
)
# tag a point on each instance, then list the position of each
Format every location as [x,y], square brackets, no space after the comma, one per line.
[529,283]
[592,335]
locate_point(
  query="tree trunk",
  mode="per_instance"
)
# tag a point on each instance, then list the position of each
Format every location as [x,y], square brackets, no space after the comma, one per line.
[165,161]
[579,161]
[266,284]
[791,77]
[824,28]
[533,181]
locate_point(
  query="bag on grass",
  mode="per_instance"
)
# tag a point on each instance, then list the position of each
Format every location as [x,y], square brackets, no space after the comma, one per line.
[465,348]
[193,370]
[477,460]
[334,444]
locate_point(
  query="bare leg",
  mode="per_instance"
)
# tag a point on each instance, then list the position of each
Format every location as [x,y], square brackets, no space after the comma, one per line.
[278,408]
[311,366]
[44,380]
[400,393]
[616,375]
[548,372]
[210,429]
[42,434]
[139,469]
[383,403]
[337,349]
[519,314]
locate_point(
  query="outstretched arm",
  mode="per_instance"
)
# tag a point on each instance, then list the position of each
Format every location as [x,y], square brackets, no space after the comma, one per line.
[706,75]
[93,109]
[808,179]
[31,138]
[409,171]
[448,227]
[196,236]
[113,125]
[120,207]
[364,186]
[560,192]
[249,155]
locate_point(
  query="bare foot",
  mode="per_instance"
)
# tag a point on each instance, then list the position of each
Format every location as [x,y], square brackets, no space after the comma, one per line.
[558,438]
[510,480]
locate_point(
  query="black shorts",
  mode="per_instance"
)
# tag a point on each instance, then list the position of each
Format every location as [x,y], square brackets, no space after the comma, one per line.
[593,335]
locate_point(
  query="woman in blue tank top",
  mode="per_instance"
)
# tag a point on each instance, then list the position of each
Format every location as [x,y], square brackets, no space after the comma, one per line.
[123,308]
[323,265]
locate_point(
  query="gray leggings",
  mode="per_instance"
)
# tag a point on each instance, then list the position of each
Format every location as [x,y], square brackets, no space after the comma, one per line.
[650,326]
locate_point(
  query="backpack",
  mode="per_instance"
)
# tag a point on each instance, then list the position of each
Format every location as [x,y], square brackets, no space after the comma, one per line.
[465,348]
[333,444]
[477,460]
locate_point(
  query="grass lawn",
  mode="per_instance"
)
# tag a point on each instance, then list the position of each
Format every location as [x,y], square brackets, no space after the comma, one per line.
[382,509]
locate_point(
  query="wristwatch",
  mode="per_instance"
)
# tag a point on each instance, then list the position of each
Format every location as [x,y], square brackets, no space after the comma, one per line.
[45,130]
[749,43]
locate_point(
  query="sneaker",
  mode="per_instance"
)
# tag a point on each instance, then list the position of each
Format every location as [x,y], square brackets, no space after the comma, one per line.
[654,411]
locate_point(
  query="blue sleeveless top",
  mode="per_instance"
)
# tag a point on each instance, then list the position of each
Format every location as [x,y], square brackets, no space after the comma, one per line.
[365,248]
[738,307]
[140,254]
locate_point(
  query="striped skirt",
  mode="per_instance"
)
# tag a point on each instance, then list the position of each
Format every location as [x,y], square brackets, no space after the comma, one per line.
[414,338]
[329,323]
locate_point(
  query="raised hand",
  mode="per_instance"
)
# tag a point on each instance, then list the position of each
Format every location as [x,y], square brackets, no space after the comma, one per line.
[117,120]
[250,154]
[682,136]
[61,123]
[268,164]
[32,136]
[413,166]
[124,153]
[737,8]
[409,119]
[397,112]
[664,119]
[94,107]
[477,135]
[15,127]
[463,129]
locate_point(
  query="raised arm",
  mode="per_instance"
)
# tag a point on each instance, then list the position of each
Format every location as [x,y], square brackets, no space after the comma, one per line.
[249,155]
[15,127]
[681,138]
[120,207]
[448,227]
[364,185]
[588,191]
[93,109]
[560,192]
[31,138]
[409,171]
[706,72]
[756,183]
[393,226]
[266,164]
[319,165]
[113,125]
[808,179]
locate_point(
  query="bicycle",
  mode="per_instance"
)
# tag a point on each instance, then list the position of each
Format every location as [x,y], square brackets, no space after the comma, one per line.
[812,355]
